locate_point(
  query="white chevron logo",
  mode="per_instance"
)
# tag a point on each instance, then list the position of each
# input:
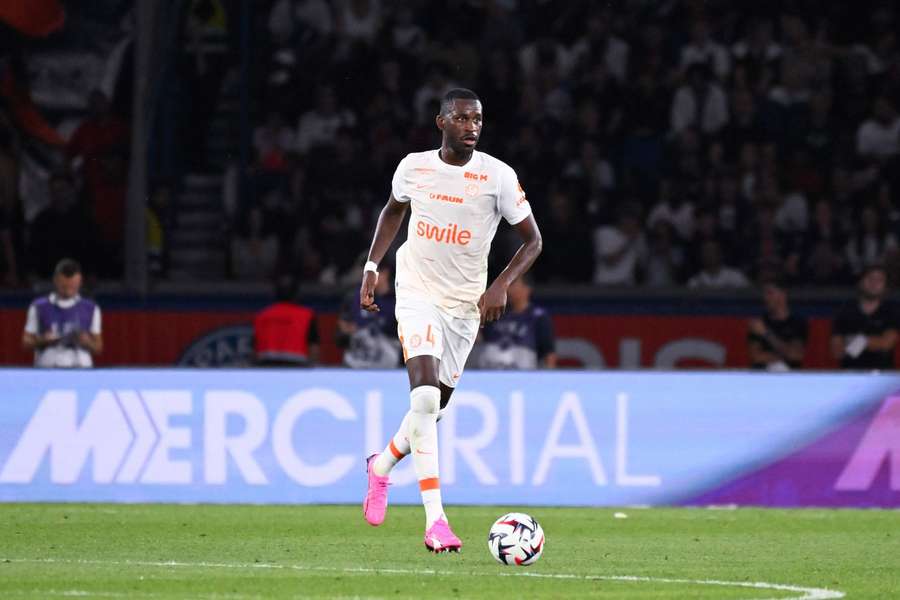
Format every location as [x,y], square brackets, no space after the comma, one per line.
[124,432]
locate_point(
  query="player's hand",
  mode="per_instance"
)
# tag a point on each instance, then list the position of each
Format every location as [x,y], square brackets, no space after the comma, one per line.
[367,292]
[757,327]
[492,303]
[85,340]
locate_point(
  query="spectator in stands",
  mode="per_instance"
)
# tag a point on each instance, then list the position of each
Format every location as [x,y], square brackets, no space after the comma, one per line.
[369,339]
[286,334]
[824,245]
[570,262]
[63,228]
[864,331]
[878,138]
[676,207]
[714,273]
[272,141]
[703,50]
[777,340]
[756,56]
[12,223]
[63,329]
[699,103]
[523,337]
[254,253]
[600,44]
[318,126]
[665,256]
[620,249]
[358,20]
[872,243]
[99,149]
[100,133]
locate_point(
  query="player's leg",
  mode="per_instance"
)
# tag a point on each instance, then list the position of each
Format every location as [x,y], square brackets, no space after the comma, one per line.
[419,329]
[398,447]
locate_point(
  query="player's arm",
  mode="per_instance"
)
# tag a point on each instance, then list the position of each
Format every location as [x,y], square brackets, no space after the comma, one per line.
[883,342]
[493,301]
[389,222]
[92,342]
[31,338]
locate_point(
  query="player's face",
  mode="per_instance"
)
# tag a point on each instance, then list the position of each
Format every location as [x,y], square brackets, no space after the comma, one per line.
[874,284]
[462,125]
[774,297]
[67,287]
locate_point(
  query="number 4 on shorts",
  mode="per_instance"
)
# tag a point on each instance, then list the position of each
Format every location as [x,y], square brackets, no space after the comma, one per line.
[429,336]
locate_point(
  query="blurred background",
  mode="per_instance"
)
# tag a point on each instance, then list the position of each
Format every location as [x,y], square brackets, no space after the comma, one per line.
[190,154]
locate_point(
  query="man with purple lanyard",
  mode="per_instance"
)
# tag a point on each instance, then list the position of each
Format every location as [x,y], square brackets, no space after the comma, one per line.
[63,329]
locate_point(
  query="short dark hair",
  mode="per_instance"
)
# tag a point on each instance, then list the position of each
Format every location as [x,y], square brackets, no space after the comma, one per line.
[457,94]
[873,266]
[67,267]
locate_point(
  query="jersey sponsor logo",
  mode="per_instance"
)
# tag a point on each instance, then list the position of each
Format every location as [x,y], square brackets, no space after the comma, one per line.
[472,189]
[451,234]
[446,198]
[475,176]
[522,200]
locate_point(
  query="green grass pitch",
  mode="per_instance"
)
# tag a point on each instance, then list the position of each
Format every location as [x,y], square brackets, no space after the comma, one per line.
[243,552]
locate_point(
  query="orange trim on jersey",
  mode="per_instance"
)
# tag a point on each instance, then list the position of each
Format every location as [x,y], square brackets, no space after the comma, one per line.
[431,483]
[402,345]
[397,454]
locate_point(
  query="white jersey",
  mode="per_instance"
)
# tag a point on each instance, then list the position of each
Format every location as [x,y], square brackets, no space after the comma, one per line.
[455,213]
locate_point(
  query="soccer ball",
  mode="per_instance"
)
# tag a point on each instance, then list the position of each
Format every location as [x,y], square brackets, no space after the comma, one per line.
[516,539]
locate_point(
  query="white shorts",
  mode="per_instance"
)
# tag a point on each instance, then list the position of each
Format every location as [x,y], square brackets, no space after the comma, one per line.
[425,329]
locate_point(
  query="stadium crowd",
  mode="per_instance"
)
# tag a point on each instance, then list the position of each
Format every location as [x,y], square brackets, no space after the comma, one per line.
[676,143]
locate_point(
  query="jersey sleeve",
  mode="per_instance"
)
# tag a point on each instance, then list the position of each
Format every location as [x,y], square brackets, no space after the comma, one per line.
[400,184]
[31,321]
[513,205]
[96,325]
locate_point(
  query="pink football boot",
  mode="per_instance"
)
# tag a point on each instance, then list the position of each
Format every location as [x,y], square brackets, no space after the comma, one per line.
[375,504]
[440,538]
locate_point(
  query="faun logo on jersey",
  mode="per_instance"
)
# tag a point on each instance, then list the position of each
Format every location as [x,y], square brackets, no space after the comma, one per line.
[446,198]
[451,234]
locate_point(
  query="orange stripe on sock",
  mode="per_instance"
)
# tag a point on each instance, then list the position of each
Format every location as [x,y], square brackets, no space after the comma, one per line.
[397,454]
[431,483]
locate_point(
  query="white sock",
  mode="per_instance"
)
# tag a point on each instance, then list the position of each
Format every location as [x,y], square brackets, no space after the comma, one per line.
[425,402]
[434,510]
[396,449]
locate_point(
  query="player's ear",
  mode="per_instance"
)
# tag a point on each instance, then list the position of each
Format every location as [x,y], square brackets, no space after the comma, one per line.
[439,121]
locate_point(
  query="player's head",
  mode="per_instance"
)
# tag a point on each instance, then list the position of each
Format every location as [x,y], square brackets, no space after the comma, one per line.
[67,278]
[873,282]
[285,288]
[460,120]
[519,293]
[774,294]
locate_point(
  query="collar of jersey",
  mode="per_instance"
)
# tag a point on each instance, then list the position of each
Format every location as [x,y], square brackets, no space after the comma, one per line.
[67,303]
[446,165]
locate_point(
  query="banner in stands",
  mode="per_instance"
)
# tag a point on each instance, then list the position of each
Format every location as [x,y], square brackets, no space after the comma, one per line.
[224,338]
[510,439]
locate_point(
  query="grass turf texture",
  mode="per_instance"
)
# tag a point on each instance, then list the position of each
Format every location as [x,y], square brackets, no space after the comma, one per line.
[109,551]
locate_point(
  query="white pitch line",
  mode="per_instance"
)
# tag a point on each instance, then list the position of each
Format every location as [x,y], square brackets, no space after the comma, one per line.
[808,593]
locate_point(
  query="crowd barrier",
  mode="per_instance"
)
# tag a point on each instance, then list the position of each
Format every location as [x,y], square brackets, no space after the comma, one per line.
[510,438]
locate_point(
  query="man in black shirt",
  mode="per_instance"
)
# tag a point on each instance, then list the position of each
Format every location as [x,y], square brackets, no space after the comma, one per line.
[777,341]
[864,332]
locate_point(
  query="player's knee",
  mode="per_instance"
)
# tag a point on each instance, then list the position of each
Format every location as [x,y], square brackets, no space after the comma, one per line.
[425,399]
